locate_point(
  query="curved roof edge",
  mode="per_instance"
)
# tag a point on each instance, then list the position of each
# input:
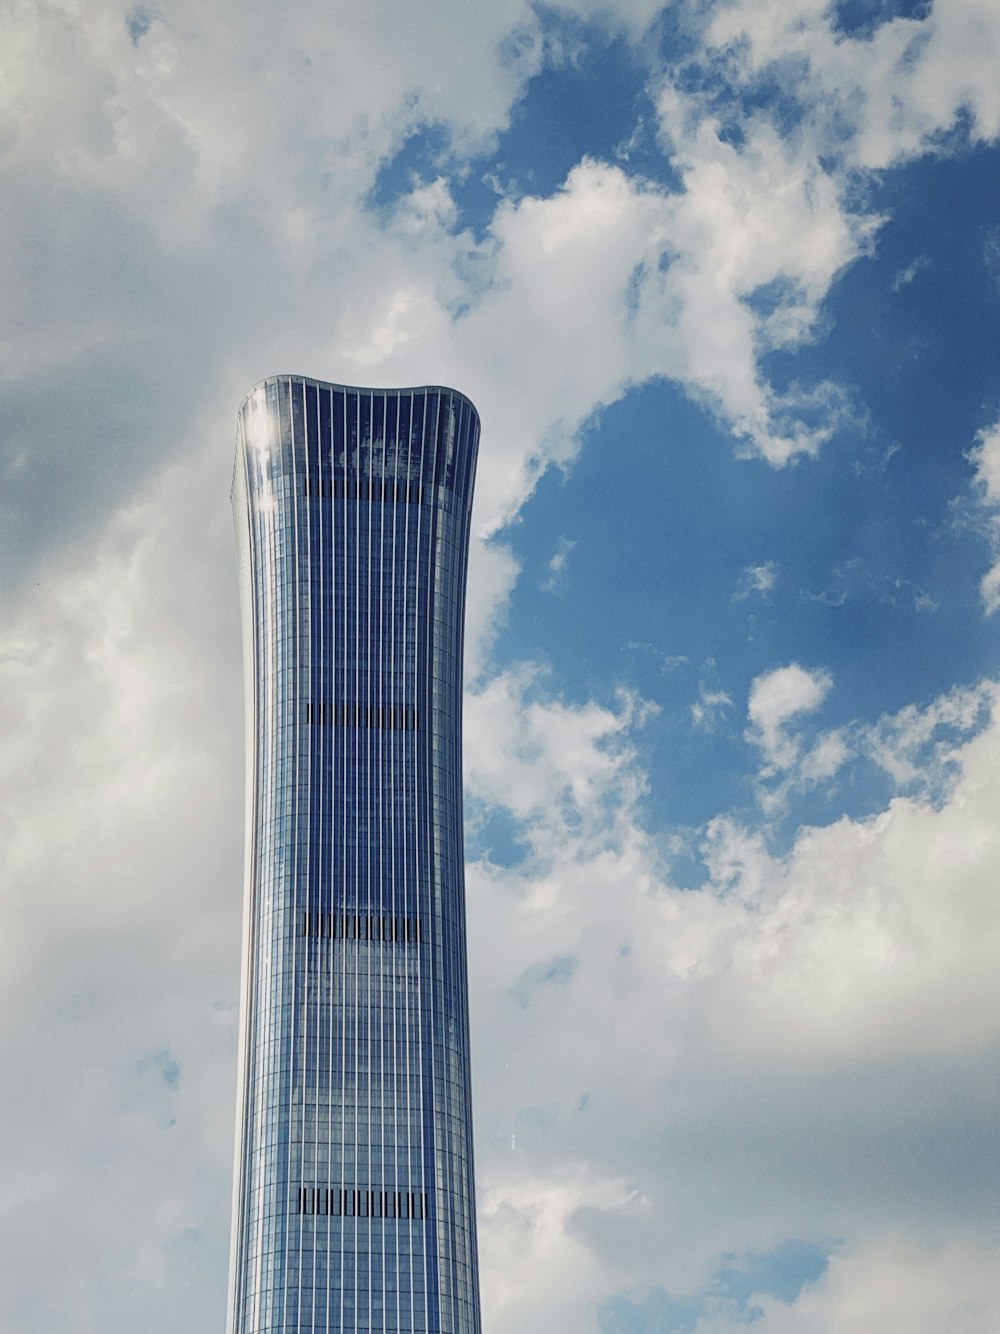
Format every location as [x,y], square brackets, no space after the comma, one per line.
[360,389]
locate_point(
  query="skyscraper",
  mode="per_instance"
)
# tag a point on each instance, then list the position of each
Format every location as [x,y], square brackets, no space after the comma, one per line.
[353,1205]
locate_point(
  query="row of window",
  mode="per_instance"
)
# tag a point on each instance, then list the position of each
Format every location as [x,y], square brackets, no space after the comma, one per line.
[395,718]
[346,488]
[340,1203]
[357,926]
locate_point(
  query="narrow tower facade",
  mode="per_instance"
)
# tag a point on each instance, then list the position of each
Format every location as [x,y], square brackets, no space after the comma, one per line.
[353,1204]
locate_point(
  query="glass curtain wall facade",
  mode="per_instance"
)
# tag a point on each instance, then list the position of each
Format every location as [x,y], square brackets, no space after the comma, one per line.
[353,1205]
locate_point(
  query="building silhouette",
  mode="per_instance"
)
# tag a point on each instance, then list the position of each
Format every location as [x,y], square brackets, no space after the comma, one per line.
[353,1203]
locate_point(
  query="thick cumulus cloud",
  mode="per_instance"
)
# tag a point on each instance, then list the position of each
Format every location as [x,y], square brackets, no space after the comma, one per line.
[882,93]
[799,1047]
[804,1046]
[916,748]
[894,1284]
[216,169]
[772,209]
[120,856]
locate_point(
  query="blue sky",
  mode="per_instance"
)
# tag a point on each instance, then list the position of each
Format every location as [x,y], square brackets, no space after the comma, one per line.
[724,282]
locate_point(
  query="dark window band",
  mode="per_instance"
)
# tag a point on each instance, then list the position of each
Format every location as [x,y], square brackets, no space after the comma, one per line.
[391,717]
[346,488]
[335,1202]
[361,926]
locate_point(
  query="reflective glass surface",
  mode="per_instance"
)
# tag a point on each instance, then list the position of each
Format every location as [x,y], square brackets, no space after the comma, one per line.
[354,1207]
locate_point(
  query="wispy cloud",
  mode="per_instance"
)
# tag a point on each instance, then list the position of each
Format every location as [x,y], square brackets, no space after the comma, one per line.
[709,708]
[757,580]
[906,276]
[985,458]
[557,564]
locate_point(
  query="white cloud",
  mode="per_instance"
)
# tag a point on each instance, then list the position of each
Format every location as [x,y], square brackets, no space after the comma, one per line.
[555,321]
[757,579]
[989,587]
[791,762]
[804,1038]
[985,458]
[557,564]
[827,756]
[775,699]
[773,212]
[709,707]
[559,767]
[906,276]
[667,662]
[493,572]
[210,220]
[121,860]
[802,1041]
[919,748]
[766,1042]
[895,1283]
[885,96]
[524,1224]
[760,222]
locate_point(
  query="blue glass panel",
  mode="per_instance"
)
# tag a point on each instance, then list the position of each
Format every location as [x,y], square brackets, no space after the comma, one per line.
[352,1035]
[325,410]
[312,418]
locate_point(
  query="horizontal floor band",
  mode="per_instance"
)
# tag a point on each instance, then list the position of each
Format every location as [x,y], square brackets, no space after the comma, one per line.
[349,488]
[345,1202]
[391,717]
[363,926]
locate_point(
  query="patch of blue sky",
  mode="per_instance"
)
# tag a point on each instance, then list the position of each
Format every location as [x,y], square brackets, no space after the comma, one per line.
[655,1313]
[160,1074]
[423,156]
[644,599]
[138,21]
[781,1274]
[861,19]
[919,357]
[492,834]
[722,86]
[874,543]
[770,97]
[589,99]
[195,1255]
[163,1064]
[537,1119]
[884,335]
[555,972]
